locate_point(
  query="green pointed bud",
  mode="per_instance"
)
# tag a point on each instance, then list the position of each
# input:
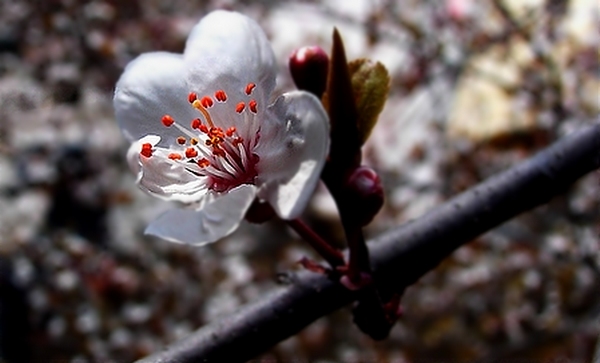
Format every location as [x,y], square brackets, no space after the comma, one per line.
[371,85]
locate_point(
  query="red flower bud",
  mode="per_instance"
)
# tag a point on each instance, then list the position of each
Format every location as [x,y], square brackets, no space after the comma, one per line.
[364,189]
[309,66]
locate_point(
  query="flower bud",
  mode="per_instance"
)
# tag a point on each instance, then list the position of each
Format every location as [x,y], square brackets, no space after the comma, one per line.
[363,188]
[309,66]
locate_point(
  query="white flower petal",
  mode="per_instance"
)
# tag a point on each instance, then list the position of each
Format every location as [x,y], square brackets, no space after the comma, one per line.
[213,221]
[294,143]
[162,177]
[152,86]
[228,50]
[133,153]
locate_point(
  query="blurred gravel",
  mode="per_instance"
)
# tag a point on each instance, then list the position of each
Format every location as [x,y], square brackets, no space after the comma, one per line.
[476,88]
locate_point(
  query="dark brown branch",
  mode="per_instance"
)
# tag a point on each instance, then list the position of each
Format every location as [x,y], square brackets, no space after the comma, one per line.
[400,257]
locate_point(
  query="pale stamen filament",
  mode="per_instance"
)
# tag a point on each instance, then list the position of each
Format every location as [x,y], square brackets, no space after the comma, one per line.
[204,153]
[227,166]
[184,130]
[212,169]
[229,145]
[237,169]
[243,156]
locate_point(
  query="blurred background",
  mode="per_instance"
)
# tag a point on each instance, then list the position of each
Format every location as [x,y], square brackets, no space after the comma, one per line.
[477,86]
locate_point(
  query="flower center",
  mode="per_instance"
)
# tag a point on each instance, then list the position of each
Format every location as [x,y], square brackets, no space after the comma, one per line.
[223,156]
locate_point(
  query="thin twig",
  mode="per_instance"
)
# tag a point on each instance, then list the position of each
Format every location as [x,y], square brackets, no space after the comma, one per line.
[329,254]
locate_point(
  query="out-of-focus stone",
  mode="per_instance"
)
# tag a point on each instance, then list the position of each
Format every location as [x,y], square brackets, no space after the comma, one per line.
[581,22]
[65,80]
[484,107]
[522,9]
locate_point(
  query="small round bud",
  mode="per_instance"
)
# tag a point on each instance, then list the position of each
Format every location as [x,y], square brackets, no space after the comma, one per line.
[309,66]
[363,188]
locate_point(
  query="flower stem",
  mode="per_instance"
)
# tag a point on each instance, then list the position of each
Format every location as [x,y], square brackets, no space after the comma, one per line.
[359,262]
[330,254]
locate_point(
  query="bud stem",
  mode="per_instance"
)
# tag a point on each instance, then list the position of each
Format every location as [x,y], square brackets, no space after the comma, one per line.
[359,262]
[330,254]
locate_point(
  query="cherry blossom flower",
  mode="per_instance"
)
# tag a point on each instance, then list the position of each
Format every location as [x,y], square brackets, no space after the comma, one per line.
[204,134]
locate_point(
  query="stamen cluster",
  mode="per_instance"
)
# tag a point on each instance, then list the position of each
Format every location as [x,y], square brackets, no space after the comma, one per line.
[221,155]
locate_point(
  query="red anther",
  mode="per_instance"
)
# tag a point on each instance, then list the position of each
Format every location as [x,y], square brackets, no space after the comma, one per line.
[218,151]
[192,97]
[146,150]
[249,88]
[216,132]
[175,156]
[203,128]
[194,141]
[203,163]
[216,140]
[238,140]
[181,140]
[230,131]
[221,96]
[167,120]
[190,152]
[252,105]
[206,102]
[196,123]
[240,107]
